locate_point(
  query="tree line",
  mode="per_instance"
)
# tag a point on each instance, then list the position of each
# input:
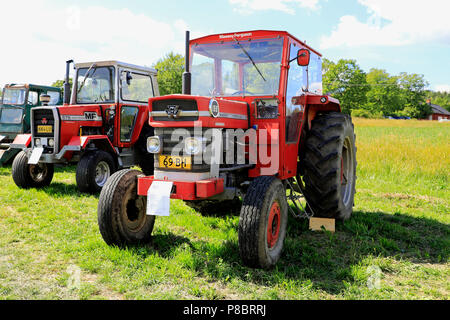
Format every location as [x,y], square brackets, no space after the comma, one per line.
[374,94]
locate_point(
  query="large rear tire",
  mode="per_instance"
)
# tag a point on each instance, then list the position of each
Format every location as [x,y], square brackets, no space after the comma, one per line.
[263,222]
[122,217]
[93,171]
[330,166]
[31,176]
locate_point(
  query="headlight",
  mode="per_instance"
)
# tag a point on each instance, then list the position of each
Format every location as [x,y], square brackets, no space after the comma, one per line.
[193,146]
[51,142]
[154,145]
[37,142]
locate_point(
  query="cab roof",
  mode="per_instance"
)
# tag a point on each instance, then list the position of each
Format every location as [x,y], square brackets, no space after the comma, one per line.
[253,34]
[30,86]
[116,63]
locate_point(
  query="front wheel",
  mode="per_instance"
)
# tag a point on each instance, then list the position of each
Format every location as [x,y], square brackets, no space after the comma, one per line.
[93,171]
[31,175]
[263,222]
[122,217]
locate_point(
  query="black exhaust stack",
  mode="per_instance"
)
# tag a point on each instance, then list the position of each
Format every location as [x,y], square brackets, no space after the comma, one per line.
[66,99]
[187,74]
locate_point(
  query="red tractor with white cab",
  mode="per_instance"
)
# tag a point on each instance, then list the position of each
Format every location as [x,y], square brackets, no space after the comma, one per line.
[253,132]
[102,126]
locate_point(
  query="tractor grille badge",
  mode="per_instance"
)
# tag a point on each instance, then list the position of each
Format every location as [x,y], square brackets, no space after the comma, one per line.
[44,121]
[173,111]
[214,108]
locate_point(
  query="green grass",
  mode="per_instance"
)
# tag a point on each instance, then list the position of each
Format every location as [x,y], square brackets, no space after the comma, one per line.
[400,225]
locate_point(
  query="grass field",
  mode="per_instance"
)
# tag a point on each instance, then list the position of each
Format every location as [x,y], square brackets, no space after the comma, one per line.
[400,232]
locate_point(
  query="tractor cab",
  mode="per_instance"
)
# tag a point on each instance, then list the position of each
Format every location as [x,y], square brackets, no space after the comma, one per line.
[17,101]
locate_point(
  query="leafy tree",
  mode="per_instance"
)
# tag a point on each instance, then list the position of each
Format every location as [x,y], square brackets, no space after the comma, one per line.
[413,88]
[170,73]
[440,98]
[384,94]
[346,81]
[60,83]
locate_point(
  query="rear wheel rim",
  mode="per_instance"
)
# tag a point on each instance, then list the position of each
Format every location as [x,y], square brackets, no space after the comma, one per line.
[102,173]
[347,171]
[273,225]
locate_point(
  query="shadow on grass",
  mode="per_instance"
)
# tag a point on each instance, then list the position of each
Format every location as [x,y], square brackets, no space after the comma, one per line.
[57,189]
[324,258]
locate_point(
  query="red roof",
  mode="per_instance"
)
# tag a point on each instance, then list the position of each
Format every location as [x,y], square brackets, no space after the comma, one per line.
[249,35]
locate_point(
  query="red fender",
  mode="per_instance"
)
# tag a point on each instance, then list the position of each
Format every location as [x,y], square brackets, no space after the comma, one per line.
[22,141]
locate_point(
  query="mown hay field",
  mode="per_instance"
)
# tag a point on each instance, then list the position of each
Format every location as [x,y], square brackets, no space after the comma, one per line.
[396,246]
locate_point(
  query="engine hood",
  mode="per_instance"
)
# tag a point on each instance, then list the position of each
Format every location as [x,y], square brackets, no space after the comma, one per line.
[192,111]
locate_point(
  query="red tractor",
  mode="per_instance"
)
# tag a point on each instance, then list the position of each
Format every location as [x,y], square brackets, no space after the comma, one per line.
[251,124]
[103,126]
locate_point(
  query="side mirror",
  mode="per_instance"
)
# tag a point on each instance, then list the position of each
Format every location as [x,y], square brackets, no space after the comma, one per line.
[303,57]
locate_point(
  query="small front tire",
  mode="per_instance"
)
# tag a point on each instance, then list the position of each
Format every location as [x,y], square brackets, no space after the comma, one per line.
[93,171]
[29,175]
[263,223]
[122,217]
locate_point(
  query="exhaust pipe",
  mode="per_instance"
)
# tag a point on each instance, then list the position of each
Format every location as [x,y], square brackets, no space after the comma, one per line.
[66,99]
[186,73]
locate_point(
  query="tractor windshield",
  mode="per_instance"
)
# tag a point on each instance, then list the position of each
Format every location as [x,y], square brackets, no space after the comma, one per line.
[14,96]
[244,67]
[95,85]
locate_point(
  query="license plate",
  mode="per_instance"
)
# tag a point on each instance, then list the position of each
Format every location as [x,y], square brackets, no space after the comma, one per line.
[175,162]
[44,129]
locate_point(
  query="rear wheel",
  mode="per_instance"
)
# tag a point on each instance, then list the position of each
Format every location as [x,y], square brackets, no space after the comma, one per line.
[122,217]
[262,223]
[29,175]
[330,166]
[93,171]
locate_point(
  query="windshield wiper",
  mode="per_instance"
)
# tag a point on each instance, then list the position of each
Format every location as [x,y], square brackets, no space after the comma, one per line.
[87,76]
[253,62]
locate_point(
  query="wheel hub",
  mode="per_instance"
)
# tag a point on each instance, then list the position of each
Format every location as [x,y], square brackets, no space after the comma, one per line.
[273,225]
[38,172]
[102,173]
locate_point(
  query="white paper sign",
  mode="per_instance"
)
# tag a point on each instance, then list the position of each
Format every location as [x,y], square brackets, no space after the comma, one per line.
[158,198]
[36,155]
[1,138]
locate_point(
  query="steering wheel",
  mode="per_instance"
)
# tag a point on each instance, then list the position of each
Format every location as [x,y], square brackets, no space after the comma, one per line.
[241,92]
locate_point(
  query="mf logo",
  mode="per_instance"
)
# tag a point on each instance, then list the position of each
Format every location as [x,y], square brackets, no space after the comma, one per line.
[172,111]
[90,115]
[44,121]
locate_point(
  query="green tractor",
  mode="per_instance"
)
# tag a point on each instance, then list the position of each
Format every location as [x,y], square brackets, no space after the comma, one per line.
[17,101]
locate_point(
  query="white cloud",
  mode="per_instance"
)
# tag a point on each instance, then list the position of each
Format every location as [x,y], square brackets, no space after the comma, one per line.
[287,6]
[442,88]
[35,49]
[393,23]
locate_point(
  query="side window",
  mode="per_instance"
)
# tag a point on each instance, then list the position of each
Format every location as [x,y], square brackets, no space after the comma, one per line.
[33,98]
[127,120]
[54,97]
[297,80]
[315,74]
[136,87]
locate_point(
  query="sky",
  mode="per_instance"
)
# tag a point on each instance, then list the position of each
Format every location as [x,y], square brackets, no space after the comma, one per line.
[38,36]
